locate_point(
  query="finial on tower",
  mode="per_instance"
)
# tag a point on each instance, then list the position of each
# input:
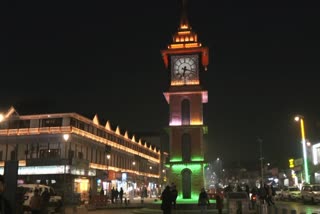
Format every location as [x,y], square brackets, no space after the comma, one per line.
[184,23]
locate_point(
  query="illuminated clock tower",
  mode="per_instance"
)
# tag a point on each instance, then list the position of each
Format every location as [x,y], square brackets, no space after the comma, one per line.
[185,58]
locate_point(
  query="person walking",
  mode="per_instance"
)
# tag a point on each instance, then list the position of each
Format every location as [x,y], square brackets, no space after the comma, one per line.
[45,200]
[269,194]
[174,192]
[166,203]
[35,202]
[5,206]
[203,201]
[219,201]
[121,195]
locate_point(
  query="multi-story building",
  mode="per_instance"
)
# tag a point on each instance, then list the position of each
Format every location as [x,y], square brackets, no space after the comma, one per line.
[75,154]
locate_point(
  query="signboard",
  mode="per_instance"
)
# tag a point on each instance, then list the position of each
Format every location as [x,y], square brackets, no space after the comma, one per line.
[298,162]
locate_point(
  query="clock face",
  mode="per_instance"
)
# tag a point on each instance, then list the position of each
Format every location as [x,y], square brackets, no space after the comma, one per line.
[185,68]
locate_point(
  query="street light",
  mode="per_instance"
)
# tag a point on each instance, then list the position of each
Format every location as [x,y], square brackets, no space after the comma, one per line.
[261,160]
[108,158]
[134,185]
[65,138]
[299,118]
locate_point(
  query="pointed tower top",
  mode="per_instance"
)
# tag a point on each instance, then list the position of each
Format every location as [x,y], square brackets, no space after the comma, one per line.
[184,38]
[185,41]
[184,23]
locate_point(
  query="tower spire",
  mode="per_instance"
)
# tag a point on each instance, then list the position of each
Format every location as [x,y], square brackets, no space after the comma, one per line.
[184,23]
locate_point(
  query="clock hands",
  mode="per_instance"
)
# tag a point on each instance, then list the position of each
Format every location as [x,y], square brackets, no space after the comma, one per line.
[184,68]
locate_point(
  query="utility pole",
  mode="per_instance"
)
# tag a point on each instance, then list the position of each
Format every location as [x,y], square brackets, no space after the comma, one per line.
[261,159]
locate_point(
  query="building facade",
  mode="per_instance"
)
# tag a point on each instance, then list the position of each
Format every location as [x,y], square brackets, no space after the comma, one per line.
[77,155]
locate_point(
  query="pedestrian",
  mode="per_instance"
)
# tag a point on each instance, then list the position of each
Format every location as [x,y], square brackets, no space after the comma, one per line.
[143,194]
[262,194]
[247,190]
[45,200]
[174,192]
[219,201]
[116,195]
[121,195]
[35,202]
[166,200]
[113,195]
[269,194]
[203,201]
[5,206]
[90,195]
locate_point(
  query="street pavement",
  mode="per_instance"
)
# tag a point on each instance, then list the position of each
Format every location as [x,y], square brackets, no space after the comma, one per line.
[134,207]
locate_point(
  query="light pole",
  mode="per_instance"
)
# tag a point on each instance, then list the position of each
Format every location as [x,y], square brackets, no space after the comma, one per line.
[261,160]
[300,119]
[134,185]
[65,138]
[108,158]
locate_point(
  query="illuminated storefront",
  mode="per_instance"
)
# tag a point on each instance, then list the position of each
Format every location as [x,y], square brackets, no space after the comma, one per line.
[76,155]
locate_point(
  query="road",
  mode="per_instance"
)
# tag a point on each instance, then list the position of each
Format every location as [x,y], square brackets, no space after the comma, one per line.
[299,207]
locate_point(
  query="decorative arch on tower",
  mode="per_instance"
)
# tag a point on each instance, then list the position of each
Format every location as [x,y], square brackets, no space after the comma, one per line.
[186,183]
[185,112]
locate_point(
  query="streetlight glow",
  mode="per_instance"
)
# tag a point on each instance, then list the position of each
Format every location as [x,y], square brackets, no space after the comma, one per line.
[304,148]
[66,137]
[1,118]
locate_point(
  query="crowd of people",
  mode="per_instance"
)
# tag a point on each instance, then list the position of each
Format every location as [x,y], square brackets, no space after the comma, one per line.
[170,194]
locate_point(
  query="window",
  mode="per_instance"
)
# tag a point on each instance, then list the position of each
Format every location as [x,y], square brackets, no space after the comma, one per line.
[185,112]
[24,124]
[71,154]
[80,155]
[52,122]
[13,155]
[49,153]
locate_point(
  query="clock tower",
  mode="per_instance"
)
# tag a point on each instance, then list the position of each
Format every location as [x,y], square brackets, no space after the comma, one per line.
[185,58]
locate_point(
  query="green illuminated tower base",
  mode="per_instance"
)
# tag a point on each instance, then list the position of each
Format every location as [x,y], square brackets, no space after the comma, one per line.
[189,179]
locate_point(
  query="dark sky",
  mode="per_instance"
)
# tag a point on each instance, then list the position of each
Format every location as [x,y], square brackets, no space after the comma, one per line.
[104,57]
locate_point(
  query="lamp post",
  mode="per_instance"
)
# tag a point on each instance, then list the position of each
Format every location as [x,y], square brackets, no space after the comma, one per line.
[108,158]
[134,184]
[65,138]
[300,119]
[261,160]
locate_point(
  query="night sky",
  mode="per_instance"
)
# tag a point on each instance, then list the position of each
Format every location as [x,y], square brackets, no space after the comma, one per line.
[104,57]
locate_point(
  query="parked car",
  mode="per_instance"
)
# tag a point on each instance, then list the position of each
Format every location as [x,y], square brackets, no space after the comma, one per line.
[291,193]
[54,201]
[310,193]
